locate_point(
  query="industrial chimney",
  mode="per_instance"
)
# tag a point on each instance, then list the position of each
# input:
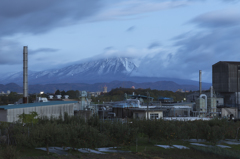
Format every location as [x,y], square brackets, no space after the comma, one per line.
[200,82]
[211,91]
[25,74]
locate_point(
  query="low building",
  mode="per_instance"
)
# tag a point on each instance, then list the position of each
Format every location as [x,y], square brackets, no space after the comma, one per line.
[3,93]
[142,113]
[10,113]
[166,99]
[229,112]
[105,89]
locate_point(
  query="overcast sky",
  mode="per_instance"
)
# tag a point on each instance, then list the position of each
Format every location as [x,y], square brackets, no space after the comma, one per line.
[168,38]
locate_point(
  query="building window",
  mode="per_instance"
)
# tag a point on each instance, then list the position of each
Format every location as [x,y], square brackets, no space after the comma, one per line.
[154,116]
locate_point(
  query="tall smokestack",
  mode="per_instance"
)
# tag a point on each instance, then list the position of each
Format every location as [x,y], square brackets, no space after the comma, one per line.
[200,82]
[25,74]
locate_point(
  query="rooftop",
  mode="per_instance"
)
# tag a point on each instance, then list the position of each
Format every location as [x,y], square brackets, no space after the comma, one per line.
[140,96]
[5,107]
[229,62]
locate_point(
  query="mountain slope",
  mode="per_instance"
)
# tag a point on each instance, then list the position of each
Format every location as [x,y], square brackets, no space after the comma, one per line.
[98,71]
[110,69]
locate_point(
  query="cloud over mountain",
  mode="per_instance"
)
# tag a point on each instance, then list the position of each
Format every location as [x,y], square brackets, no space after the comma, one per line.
[218,19]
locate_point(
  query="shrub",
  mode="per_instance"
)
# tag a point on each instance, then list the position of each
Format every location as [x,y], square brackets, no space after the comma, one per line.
[9,152]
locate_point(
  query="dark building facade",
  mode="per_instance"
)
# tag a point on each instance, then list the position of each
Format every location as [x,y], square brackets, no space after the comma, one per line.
[225,81]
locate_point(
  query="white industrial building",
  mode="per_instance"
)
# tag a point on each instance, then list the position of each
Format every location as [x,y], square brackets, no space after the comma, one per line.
[10,113]
[142,114]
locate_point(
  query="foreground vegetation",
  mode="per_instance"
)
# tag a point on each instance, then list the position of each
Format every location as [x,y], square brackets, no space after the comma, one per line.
[76,132]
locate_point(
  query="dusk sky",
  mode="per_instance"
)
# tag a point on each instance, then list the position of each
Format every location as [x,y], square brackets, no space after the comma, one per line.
[166,38]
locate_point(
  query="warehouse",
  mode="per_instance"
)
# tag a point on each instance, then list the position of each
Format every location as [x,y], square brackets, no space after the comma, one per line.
[10,113]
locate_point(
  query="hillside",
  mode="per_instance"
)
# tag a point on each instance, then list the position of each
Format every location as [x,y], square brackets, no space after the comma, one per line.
[50,88]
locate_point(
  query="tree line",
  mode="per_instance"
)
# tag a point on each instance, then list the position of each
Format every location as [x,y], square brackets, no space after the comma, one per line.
[118,94]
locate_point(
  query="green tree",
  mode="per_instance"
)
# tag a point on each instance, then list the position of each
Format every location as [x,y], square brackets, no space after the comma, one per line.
[57,92]
[63,93]
[47,134]
[28,118]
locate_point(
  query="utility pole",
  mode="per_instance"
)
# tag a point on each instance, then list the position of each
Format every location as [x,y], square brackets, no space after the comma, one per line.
[147,104]
[237,106]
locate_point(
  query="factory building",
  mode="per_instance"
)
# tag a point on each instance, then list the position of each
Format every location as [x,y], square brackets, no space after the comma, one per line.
[225,80]
[166,99]
[205,102]
[152,114]
[10,113]
[206,106]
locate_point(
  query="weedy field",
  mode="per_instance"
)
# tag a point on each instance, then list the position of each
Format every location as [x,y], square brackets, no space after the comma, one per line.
[138,136]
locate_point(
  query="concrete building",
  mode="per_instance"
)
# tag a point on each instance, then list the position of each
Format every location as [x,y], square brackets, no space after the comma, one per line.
[132,108]
[105,89]
[225,80]
[66,96]
[142,114]
[3,93]
[166,99]
[229,113]
[206,106]
[180,90]
[10,113]
[95,94]
[58,96]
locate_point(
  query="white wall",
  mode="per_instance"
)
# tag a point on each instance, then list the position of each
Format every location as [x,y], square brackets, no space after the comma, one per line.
[52,110]
[142,115]
[160,114]
[228,111]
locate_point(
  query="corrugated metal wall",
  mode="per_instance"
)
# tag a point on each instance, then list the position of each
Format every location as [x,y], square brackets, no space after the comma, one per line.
[52,110]
[3,115]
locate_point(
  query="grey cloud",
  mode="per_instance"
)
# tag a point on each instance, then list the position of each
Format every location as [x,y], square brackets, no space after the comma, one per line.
[43,50]
[202,50]
[108,48]
[130,29]
[231,1]
[27,16]
[10,52]
[218,19]
[154,45]
[195,51]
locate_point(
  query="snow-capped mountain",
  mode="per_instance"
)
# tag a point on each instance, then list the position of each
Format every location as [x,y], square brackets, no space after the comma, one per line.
[113,66]
[89,72]
[98,71]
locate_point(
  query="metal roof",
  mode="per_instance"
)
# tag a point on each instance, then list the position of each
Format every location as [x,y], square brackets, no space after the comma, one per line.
[5,107]
[229,62]
[165,98]
[140,96]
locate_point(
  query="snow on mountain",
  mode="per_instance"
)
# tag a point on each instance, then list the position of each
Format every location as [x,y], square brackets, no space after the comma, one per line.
[99,67]
[79,72]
